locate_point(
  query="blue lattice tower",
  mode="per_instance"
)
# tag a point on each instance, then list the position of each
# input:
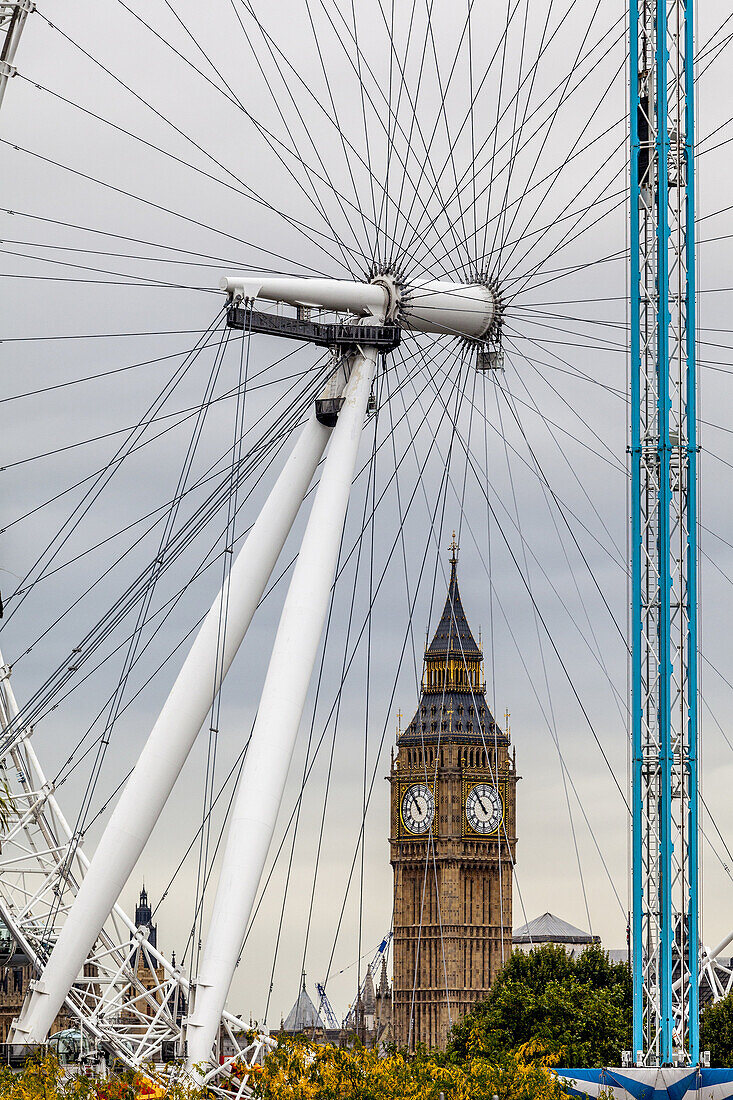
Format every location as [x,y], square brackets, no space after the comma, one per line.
[664,550]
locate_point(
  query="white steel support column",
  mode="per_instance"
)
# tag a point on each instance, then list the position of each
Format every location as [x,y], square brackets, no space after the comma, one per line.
[172,737]
[266,764]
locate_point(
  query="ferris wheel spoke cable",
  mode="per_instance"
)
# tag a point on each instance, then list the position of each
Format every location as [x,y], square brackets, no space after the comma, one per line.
[145,201]
[492,651]
[562,366]
[263,597]
[572,235]
[549,709]
[324,174]
[526,235]
[550,424]
[127,278]
[101,482]
[181,417]
[366,519]
[563,506]
[131,651]
[213,502]
[309,232]
[402,89]
[465,267]
[611,462]
[507,143]
[548,131]
[346,665]
[574,232]
[547,720]
[572,239]
[500,226]
[366,131]
[537,559]
[519,248]
[383,218]
[276,145]
[430,849]
[424,162]
[357,208]
[549,494]
[417,688]
[548,633]
[415,128]
[335,708]
[170,604]
[219,668]
[96,231]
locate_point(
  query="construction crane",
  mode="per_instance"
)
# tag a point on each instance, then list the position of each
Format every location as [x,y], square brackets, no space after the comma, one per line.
[350,1020]
[325,1007]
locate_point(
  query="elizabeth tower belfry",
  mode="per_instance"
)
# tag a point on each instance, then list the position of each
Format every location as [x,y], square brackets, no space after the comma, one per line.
[452,838]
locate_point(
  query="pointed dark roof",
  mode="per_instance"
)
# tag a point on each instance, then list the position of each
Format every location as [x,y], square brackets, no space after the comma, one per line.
[453,636]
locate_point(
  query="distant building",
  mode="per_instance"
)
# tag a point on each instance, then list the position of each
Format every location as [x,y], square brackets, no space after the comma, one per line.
[551,929]
[369,1022]
[16,973]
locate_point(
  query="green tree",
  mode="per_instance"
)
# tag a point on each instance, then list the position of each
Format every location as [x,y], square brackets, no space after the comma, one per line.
[716,1031]
[566,1011]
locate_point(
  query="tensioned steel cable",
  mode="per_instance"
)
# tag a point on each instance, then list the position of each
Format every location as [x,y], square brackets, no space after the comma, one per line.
[131,653]
[351,552]
[548,691]
[97,232]
[162,116]
[217,683]
[508,140]
[171,603]
[530,679]
[278,147]
[101,482]
[122,605]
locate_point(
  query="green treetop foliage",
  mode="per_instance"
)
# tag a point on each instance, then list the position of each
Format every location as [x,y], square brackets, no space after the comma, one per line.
[716,1031]
[568,1011]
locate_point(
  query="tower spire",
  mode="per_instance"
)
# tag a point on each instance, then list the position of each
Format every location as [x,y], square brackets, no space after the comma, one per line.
[454,548]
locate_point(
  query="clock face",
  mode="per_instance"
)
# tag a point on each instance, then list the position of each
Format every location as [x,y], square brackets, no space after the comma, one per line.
[418,808]
[484,809]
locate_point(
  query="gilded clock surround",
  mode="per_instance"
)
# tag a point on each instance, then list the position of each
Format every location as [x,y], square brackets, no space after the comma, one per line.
[405,832]
[452,885]
[501,785]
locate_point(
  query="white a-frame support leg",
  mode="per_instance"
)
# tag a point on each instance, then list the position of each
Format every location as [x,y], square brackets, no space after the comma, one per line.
[170,741]
[281,706]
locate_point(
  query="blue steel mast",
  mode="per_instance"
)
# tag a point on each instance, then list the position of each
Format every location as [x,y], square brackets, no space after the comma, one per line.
[665,869]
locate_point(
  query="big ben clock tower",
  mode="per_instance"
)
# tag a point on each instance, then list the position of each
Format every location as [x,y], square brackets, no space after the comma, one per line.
[452,838]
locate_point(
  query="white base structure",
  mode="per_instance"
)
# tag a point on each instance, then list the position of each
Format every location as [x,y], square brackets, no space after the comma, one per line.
[281,706]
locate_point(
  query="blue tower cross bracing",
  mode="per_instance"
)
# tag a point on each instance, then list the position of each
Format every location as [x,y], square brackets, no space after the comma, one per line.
[665,869]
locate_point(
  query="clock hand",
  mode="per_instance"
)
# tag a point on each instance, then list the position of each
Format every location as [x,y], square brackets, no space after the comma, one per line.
[481,803]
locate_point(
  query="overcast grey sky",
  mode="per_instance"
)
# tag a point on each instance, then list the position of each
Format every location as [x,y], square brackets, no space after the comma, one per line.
[236,137]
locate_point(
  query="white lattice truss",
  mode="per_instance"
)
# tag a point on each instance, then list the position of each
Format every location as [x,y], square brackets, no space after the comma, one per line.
[41,865]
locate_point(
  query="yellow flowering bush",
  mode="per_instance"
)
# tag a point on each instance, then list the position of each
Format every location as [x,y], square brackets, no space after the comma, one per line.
[46,1079]
[299,1070]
